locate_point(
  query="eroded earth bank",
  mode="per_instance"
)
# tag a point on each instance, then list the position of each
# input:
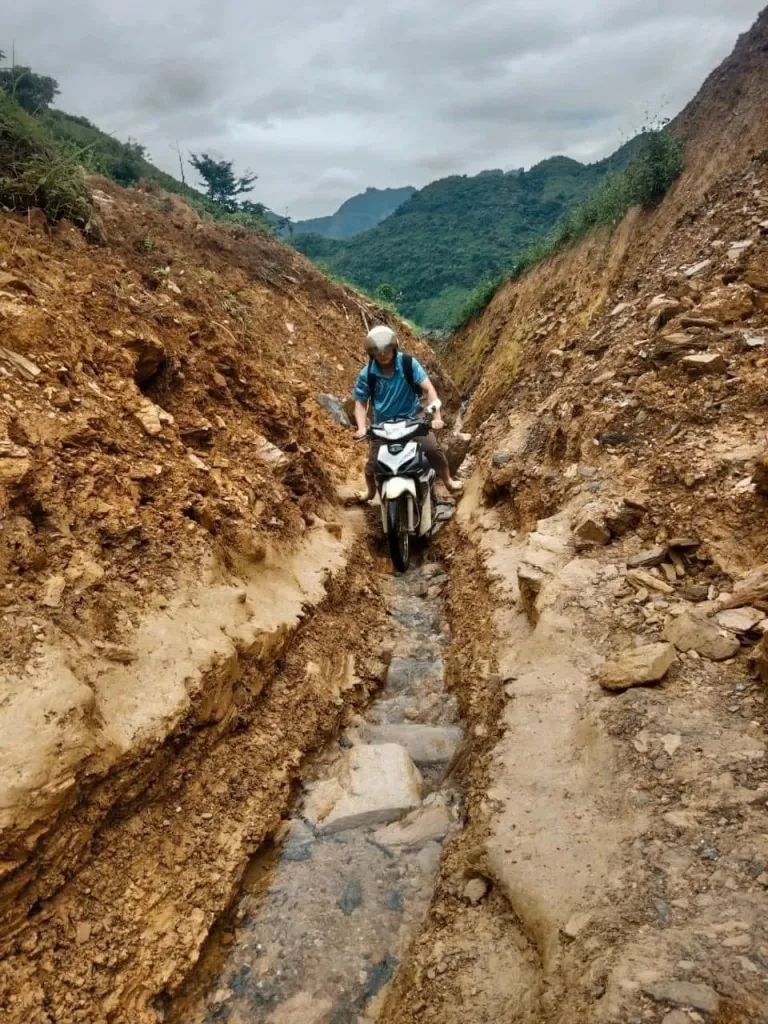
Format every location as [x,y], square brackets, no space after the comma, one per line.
[209,670]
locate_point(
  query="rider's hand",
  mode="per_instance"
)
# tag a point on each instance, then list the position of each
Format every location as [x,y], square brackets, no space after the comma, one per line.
[437,422]
[360,435]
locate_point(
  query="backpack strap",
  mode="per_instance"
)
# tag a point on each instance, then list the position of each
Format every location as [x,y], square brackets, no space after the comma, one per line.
[371,382]
[408,371]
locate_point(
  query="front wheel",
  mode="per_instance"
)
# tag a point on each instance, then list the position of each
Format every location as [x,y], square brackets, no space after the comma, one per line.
[397,532]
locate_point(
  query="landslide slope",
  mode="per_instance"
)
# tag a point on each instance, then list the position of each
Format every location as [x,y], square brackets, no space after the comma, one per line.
[168,520]
[618,502]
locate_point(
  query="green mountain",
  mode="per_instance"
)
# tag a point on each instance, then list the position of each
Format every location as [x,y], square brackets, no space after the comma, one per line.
[360,213]
[435,248]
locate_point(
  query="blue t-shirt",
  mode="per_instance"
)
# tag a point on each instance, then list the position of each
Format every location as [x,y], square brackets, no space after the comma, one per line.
[394,397]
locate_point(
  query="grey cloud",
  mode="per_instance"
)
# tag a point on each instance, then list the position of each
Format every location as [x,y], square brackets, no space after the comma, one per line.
[175,87]
[324,97]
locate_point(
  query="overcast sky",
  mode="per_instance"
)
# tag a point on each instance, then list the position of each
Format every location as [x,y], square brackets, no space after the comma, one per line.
[324,97]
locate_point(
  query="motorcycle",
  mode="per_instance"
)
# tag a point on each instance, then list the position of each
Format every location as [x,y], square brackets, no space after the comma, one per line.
[406,485]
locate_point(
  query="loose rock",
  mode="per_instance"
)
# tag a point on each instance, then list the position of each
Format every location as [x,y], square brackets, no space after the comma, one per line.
[270,453]
[705,362]
[729,304]
[677,1017]
[623,515]
[428,823]
[739,620]
[576,924]
[23,366]
[641,578]
[52,591]
[696,592]
[684,993]
[335,407]
[475,890]
[590,530]
[697,269]
[647,559]
[637,666]
[303,1008]
[120,653]
[662,309]
[152,417]
[426,744]
[688,633]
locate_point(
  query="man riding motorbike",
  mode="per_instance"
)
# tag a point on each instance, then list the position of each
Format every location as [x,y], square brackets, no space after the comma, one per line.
[394,383]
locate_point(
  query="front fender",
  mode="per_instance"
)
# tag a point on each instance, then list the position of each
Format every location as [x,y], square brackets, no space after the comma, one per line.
[396,486]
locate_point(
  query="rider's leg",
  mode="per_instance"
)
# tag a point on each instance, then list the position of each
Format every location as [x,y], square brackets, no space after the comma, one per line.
[439,463]
[370,493]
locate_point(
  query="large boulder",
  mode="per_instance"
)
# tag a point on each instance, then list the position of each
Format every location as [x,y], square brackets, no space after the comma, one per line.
[373,785]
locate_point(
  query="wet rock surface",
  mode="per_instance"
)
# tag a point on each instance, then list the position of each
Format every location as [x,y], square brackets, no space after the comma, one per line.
[321,933]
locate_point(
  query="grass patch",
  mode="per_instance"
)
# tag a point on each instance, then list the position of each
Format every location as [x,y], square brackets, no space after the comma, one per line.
[478,299]
[38,171]
[654,169]
[127,164]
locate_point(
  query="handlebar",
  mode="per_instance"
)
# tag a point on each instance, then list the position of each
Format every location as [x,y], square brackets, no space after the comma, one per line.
[413,422]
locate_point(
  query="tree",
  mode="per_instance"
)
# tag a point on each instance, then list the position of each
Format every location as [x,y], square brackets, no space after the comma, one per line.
[255,209]
[130,162]
[32,92]
[177,150]
[386,293]
[221,184]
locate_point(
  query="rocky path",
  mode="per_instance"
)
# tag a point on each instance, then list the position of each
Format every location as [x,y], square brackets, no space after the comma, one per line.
[330,912]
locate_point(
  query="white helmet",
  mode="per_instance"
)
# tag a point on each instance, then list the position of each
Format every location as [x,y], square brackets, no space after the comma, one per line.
[380,338]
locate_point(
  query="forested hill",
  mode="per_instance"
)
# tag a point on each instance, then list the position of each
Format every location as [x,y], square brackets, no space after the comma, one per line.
[448,237]
[360,213]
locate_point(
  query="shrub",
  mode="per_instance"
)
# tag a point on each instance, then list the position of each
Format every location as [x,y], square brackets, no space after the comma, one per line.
[477,300]
[656,168]
[36,170]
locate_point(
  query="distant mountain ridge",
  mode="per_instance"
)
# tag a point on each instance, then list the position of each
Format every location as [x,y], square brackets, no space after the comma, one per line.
[360,213]
[435,248]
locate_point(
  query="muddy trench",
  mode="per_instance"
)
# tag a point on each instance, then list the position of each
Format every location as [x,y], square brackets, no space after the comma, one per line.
[330,906]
